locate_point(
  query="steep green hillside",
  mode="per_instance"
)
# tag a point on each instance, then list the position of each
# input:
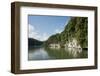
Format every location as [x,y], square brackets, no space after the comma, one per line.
[76,29]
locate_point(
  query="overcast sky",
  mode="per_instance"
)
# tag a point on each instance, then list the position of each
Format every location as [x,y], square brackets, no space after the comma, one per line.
[42,27]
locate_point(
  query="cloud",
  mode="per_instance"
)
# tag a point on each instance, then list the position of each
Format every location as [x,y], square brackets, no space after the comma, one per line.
[31,28]
[33,33]
[45,36]
[58,31]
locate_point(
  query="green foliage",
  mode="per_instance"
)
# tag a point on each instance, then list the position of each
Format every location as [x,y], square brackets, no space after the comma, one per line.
[76,28]
[33,42]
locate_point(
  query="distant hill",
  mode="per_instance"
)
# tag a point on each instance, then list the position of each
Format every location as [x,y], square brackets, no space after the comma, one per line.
[34,42]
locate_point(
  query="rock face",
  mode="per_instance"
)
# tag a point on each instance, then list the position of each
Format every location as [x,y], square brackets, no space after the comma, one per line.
[73,47]
[56,46]
[72,44]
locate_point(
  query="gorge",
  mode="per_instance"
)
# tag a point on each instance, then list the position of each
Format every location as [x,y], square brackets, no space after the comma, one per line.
[70,43]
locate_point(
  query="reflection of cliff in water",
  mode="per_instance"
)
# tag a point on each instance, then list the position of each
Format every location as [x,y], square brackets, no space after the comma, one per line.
[74,51]
[41,53]
[67,53]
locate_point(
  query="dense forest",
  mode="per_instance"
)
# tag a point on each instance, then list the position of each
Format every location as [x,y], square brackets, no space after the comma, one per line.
[34,43]
[77,28]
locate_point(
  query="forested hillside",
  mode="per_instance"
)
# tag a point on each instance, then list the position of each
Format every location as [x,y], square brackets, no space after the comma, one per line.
[75,31]
[33,42]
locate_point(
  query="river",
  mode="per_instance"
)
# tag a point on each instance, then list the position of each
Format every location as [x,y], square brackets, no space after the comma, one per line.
[41,53]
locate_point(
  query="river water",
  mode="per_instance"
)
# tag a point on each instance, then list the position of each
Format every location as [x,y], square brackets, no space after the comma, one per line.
[41,53]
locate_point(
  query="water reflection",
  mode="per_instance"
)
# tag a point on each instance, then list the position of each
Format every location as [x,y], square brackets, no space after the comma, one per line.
[50,54]
[38,54]
[74,51]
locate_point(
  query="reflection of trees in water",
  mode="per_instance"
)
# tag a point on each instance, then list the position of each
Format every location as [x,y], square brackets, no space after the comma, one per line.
[42,53]
[74,51]
[58,53]
[68,53]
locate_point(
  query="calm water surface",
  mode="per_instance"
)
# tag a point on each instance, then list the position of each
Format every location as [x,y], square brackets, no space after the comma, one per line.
[41,53]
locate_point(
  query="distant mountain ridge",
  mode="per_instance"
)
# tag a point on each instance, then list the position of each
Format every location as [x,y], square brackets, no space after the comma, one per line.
[34,42]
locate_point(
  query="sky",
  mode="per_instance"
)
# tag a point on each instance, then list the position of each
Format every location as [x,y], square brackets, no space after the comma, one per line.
[42,27]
